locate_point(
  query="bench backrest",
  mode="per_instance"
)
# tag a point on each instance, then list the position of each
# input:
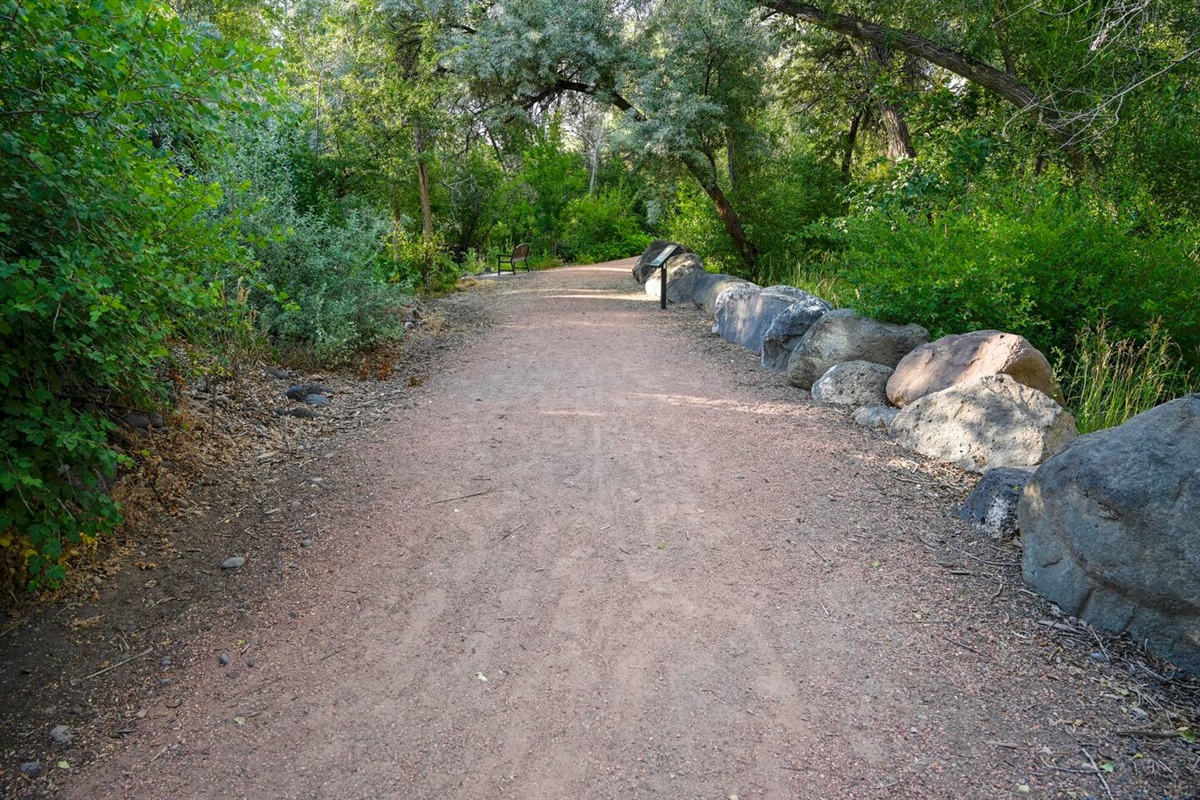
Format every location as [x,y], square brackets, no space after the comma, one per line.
[520,251]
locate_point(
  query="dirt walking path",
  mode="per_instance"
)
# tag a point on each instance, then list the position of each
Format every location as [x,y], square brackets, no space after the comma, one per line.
[600,561]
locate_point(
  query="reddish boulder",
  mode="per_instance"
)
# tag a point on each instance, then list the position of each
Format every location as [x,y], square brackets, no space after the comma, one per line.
[960,358]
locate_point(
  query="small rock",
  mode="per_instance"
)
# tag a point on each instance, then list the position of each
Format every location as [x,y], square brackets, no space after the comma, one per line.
[991,508]
[223,659]
[306,543]
[303,390]
[164,681]
[166,661]
[157,422]
[276,372]
[61,734]
[876,416]
[318,400]
[138,421]
[96,581]
[31,768]
[1098,656]
[233,562]
[249,662]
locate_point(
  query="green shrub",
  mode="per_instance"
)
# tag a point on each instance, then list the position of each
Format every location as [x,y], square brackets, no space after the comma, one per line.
[602,227]
[107,256]
[1039,261]
[334,288]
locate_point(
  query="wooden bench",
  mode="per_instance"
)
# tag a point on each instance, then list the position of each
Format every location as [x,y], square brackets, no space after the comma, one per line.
[520,254]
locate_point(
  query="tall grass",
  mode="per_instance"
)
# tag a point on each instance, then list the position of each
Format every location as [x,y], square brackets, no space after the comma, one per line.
[823,283]
[1110,380]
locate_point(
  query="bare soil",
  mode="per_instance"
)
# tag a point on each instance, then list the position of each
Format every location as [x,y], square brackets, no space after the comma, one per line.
[597,554]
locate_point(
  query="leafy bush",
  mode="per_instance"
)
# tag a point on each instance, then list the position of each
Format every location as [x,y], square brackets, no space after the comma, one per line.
[1039,261]
[333,287]
[602,227]
[778,200]
[106,254]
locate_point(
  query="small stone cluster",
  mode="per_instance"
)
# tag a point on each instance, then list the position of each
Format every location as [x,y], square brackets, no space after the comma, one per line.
[1109,522]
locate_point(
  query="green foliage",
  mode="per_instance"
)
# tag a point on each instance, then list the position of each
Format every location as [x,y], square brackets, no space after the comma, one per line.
[334,289]
[1108,380]
[602,227]
[778,198]
[1036,259]
[550,178]
[693,222]
[107,255]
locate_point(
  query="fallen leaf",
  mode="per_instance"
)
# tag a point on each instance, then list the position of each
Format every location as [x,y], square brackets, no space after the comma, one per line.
[63,765]
[481,676]
[240,720]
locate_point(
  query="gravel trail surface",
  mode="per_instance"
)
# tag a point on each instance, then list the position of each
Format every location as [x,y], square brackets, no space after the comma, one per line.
[604,557]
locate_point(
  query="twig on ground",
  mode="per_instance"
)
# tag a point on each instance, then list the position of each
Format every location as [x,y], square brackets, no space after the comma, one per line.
[1099,773]
[145,652]
[333,653]
[514,530]
[1147,734]
[964,646]
[818,553]
[457,497]
[1100,644]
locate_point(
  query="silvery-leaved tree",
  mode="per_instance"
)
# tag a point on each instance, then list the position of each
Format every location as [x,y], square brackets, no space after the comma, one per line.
[686,76]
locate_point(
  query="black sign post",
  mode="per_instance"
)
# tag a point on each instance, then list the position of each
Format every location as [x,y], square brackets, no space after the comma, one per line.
[661,261]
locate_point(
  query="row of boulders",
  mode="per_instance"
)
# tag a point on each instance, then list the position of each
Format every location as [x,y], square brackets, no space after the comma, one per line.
[1109,522]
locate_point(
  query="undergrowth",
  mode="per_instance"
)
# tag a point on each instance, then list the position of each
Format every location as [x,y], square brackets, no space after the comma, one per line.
[1110,379]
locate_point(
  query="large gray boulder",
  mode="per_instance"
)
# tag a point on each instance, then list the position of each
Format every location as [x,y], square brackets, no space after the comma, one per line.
[991,508]
[964,357]
[747,318]
[683,270]
[843,335]
[642,269]
[1111,530]
[989,422]
[728,301]
[709,287]
[788,327]
[854,383]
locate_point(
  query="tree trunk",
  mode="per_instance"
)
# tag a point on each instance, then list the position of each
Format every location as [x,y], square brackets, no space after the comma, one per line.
[706,176]
[851,140]
[899,140]
[423,187]
[876,59]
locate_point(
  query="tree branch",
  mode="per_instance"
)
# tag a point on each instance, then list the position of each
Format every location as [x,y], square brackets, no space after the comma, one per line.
[905,41]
